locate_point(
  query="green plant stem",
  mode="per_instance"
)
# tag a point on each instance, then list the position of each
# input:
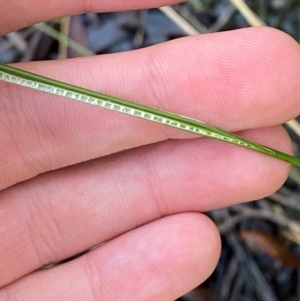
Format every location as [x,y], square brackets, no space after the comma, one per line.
[30,80]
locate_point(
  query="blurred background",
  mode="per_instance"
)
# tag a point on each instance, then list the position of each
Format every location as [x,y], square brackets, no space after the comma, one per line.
[261,240]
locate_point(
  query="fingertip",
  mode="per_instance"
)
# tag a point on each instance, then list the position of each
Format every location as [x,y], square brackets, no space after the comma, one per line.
[273,169]
[209,238]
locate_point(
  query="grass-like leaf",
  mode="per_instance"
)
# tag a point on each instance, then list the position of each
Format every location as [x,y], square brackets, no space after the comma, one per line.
[30,80]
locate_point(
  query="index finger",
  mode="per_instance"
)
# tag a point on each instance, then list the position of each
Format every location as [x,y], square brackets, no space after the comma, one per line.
[33,11]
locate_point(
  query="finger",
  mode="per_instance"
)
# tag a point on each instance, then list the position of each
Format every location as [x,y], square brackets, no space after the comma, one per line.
[59,214]
[33,11]
[159,261]
[206,77]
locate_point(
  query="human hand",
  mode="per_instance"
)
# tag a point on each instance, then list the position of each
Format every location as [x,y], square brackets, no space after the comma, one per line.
[144,194]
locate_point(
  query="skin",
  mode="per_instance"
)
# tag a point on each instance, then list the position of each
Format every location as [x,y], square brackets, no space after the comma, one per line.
[73,176]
